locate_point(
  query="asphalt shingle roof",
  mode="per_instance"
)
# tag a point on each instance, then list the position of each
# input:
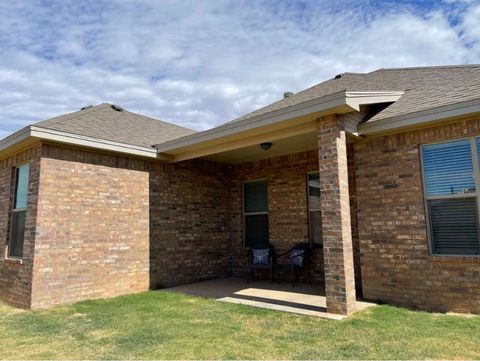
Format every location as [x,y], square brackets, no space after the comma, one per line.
[425,88]
[103,122]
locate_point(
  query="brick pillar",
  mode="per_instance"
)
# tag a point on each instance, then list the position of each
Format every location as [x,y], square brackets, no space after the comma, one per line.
[335,206]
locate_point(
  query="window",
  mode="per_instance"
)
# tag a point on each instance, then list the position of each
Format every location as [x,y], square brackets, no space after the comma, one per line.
[19,211]
[255,214]
[314,210]
[451,186]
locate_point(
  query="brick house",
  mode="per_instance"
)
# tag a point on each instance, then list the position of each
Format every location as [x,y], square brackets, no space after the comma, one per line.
[378,172]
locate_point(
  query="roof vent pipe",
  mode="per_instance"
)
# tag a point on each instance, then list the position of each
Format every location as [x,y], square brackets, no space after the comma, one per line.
[118,108]
[287,95]
[86,107]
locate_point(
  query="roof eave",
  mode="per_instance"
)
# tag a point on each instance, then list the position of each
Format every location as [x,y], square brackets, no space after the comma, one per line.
[421,118]
[15,138]
[89,142]
[341,102]
[356,99]
[45,134]
[334,100]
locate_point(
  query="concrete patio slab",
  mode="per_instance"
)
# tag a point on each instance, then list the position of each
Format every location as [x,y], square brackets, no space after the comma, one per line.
[303,299]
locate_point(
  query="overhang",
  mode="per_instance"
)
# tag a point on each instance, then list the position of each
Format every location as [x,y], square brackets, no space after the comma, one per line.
[421,118]
[31,134]
[281,124]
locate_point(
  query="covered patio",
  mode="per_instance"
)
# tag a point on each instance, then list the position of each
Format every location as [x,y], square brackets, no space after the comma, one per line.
[289,181]
[276,172]
[303,299]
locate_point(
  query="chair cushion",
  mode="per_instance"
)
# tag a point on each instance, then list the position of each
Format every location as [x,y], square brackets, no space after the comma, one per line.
[297,257]
[261,256]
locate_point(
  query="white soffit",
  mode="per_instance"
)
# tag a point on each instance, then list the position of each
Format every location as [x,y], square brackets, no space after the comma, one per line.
[456,110]
[343,102]
[33,132]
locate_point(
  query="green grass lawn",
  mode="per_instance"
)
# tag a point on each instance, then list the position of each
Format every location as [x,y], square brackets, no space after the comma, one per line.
[163,325]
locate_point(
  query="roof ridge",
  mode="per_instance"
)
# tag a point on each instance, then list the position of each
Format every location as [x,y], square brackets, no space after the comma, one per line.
[69,116]
[72,114]
[303,91]
[353,73]
[427,67]
[330,79]
[104,123]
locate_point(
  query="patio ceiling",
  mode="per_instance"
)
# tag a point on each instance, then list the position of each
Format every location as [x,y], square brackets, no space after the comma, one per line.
[290,145]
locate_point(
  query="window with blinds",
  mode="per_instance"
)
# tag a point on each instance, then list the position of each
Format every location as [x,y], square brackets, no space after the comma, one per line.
[314,214]
[451,185]
[255,214]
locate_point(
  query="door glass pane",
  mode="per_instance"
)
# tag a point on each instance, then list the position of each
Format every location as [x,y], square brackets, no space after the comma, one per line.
[454,226]
[315,223]
[256,231]
[21,186]
[313,191]
[18,234]
[256,198]
[448,168]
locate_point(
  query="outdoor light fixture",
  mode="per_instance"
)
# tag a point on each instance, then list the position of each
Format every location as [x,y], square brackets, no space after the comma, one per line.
[266,145]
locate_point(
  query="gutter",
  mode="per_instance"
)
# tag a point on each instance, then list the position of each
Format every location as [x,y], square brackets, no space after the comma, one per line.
[348,101]
[40,133]
[342,102]
[15,138]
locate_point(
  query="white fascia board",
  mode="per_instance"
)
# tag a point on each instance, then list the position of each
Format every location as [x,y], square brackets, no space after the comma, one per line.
[347,99]
[421,117]
[355,99]
[74,139]
[84,141]
[309,107]
[15,138]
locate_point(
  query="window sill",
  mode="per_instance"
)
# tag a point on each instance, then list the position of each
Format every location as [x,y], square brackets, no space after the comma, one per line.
[13,260]
[455,258]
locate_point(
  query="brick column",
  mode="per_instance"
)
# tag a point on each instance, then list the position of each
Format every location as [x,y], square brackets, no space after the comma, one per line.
[335,206]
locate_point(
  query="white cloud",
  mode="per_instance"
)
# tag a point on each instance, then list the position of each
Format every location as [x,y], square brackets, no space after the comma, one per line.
[4,133]
[200,64]
[470,28]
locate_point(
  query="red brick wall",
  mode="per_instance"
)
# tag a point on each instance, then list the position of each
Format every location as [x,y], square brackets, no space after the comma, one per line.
[396,265]
[109,225]
[190,222]
[336,216]
[16,277]
[288,215]
[93,227]
[287,203]
[352,183]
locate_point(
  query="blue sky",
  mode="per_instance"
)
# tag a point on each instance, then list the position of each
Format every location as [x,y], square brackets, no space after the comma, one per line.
[202,63]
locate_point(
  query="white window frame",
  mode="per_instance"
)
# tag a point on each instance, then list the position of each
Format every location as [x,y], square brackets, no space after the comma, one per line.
[476,194]
[309,207]
[17,210]
[245,214]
